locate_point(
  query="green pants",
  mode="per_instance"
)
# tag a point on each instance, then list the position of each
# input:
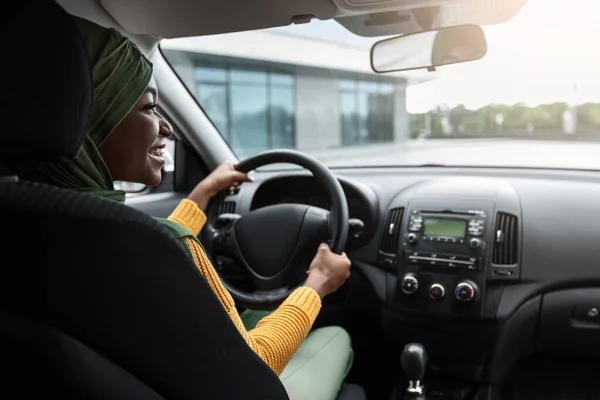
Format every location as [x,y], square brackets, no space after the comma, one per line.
[318,368]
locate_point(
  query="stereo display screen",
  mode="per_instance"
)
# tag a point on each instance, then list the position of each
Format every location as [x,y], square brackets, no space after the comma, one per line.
[444,227]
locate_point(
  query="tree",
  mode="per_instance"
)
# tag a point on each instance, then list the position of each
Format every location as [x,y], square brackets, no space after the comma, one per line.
[545,118]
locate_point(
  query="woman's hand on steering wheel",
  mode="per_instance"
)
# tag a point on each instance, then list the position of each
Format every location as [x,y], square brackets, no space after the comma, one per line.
[328,271]
[223,177]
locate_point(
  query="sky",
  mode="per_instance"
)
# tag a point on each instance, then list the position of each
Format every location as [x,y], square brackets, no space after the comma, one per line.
[550,51]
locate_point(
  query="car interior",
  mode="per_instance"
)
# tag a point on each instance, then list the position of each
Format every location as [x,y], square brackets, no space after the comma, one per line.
[467,282]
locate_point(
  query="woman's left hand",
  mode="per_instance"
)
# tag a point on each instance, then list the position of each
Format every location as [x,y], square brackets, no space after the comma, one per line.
[225,176]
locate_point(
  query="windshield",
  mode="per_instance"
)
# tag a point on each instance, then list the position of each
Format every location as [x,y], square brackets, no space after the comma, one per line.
[532,101]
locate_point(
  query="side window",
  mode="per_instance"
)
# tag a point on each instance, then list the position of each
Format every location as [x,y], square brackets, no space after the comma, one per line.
[134,189]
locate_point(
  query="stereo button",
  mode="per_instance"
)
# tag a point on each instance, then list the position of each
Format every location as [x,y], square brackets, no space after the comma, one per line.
[411,238]
[475,243]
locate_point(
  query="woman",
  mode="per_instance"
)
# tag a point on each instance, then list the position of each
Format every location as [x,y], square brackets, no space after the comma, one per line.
[124,142]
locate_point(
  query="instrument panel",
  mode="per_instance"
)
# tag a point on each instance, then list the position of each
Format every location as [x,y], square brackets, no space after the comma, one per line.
[363,205]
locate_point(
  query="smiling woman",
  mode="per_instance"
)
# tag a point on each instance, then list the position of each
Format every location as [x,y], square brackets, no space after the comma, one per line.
[134,189]
[134,151]
[125,142]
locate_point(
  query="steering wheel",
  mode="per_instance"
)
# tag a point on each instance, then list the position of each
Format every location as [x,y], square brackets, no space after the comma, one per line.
[273,243]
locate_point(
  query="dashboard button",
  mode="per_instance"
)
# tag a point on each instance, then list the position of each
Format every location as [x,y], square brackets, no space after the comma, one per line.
[475,243]
[587,313]
[437,291]
[218,239]
[409,284]
[412,238]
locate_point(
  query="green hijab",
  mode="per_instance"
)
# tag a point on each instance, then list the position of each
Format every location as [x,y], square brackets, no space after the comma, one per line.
[121,75]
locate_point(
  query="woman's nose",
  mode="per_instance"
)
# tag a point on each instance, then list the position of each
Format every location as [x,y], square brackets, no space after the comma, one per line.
[165,127]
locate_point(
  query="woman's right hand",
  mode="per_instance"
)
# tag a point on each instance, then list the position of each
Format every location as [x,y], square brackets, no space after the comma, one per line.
[328,271]
[221,178]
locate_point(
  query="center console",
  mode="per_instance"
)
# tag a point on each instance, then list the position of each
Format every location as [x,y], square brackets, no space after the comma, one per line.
[447,241]
[450,246]
[443,251]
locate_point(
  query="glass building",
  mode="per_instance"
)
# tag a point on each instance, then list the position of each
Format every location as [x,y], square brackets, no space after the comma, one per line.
[266,90]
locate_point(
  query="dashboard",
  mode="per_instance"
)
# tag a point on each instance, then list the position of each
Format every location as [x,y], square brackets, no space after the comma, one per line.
[483,266]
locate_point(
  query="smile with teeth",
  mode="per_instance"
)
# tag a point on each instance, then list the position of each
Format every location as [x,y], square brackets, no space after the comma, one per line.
[157,152]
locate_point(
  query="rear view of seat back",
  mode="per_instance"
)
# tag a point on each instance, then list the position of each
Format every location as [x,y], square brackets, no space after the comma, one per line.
[97,301]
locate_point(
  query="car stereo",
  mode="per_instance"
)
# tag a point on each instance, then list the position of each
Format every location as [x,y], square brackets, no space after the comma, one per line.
[445,239]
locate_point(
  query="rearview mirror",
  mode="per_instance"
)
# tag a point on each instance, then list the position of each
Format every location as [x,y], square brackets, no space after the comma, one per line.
[429,49]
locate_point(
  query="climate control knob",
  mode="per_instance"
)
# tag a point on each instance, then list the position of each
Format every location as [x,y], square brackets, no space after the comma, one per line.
[475,243]
[409,284]
[465,291]
[412,238]
[436,291]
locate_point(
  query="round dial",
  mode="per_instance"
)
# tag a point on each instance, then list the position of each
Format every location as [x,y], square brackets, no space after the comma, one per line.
[437,291]
[475,243]
[411,237]
[465,291]
[409,284]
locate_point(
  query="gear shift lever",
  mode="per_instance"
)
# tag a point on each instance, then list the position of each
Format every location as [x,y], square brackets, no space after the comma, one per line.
[414,362]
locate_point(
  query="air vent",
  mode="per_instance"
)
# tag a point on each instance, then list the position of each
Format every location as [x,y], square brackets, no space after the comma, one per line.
[505,250]
[227,207]
[391,231]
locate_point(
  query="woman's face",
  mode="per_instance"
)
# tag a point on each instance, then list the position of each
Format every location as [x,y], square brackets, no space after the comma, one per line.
[134,150]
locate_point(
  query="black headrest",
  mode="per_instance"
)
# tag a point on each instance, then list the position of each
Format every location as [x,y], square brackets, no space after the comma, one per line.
[47,94]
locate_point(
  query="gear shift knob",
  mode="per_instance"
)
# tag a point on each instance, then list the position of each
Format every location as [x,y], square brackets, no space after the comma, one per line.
[414,363]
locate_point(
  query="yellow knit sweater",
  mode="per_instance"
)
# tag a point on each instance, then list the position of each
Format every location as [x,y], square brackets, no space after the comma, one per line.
[276,337]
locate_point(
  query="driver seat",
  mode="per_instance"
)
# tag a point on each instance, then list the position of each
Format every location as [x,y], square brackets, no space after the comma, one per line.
[101,302]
